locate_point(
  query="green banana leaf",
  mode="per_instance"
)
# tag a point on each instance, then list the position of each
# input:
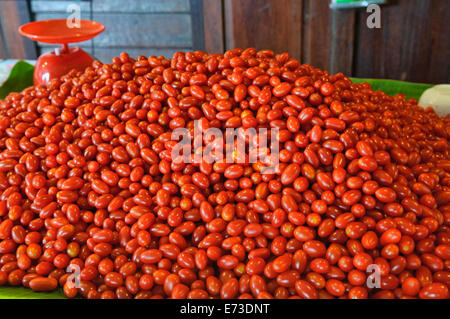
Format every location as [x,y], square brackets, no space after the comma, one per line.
[20,78]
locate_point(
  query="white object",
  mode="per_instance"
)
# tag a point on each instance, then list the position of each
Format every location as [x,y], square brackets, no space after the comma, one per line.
[438,97]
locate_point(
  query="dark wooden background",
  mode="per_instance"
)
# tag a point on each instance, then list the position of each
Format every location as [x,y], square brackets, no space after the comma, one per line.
[412,44]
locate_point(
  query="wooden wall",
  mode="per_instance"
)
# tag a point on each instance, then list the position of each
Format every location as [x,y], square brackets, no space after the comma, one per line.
[12,15]
[413,43]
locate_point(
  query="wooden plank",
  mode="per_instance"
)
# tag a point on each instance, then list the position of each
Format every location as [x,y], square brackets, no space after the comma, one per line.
[12,15]
[439,68]
[317,35]
[114,6]
[45,49]
[213,26]
[412,44]
[140,6]
[369,52]
[265,24]
[131,30]
[84,44]
[342,41]
[228,17]
[106,54]
[85,15]
[3,49]
[198,38]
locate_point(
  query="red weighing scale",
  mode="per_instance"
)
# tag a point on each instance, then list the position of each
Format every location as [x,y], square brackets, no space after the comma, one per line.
[56,63]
